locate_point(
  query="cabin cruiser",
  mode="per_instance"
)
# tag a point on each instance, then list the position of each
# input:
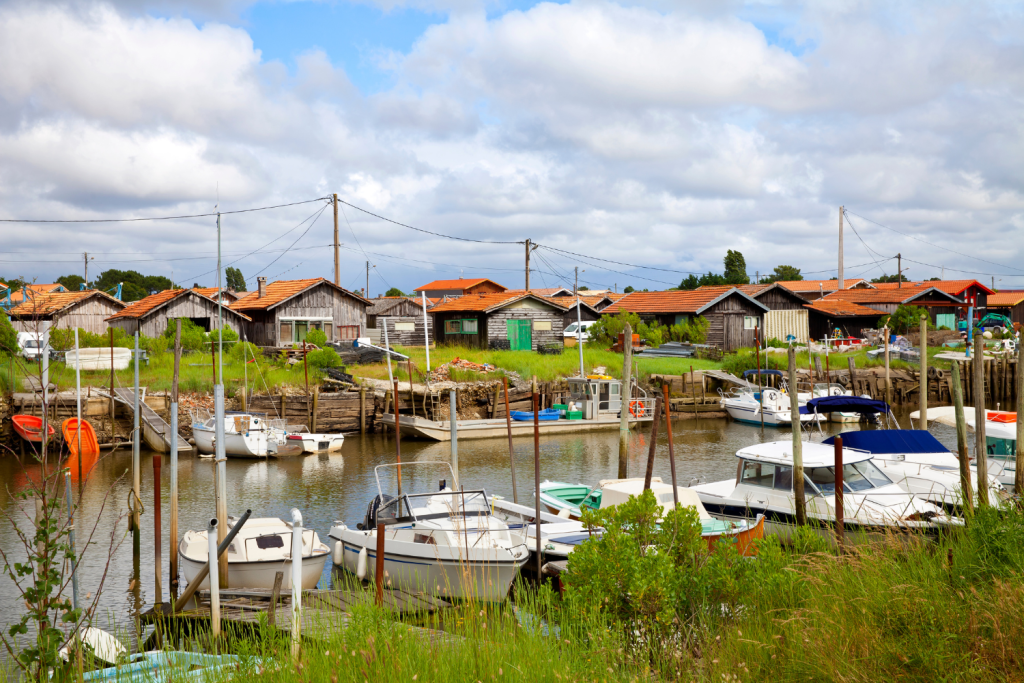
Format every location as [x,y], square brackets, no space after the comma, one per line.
[447,543]
[1000,438]
[246,435]
[262,548]
[747,405]
[872,502]
[821,389]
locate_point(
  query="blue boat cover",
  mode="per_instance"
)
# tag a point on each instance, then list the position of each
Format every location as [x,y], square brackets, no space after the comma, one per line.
[777,373]
[844,404]
[527,416]
[891,441]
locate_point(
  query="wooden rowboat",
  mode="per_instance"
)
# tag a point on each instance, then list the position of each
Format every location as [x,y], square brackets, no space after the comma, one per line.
[30,427]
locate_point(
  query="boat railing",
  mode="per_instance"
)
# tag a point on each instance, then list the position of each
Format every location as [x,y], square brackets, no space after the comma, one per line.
[461,504]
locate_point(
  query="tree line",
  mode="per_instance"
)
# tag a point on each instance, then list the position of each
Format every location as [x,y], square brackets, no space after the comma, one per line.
[134,285]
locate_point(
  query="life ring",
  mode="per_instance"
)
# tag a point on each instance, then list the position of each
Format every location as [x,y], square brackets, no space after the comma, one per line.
[636,409]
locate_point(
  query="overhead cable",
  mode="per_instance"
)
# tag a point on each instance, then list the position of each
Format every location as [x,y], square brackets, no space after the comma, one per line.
[158,218]
[429,232]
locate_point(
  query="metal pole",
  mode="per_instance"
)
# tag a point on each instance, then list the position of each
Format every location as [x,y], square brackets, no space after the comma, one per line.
[453,422]
[398,439]
[839,490]
[220,321]
[798,453]
[671,451]
[220,475]
[511,450]
[841,284]
[536,474]
[980,450]
[211,535]
[1018,475]
[158,557]
[174,464]
[923,386]
[71,538]
[625,396]
[426,335]
[658,409]
[296,582]
[136,456]
[888,384]
[961,441]
[757,350]
[970,330]
[579,321]
[527,265]
[78,402]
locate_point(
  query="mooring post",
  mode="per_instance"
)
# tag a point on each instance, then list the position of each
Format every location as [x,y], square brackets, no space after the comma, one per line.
[659,407]
[309,404]
[136,460]
[1018,476]
[980,450]
[839,491]
[536,473]
[412,394]
[211,535]
[113,435]
[626,394]
[923,384]
[453,424]
[174,464]
[671,451]
[158,556]
[760,392]
[378,571]
[398,440]
[798,454]
[888,384]
[78,404]
[961,442]
[296,582]
[511,450]
[362,409]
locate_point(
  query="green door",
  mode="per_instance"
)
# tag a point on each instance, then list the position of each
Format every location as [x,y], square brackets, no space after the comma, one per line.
[520,335]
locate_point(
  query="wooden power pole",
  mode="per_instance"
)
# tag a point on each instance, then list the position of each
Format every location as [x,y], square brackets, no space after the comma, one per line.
[842,283]
[337,262]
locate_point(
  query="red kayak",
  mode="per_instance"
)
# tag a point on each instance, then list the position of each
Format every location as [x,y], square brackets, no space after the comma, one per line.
[30,427]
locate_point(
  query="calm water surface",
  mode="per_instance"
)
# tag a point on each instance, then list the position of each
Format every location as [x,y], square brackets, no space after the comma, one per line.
[333,487]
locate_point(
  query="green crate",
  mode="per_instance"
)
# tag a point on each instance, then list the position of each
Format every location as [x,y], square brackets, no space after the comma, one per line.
[560,406]
[575,414]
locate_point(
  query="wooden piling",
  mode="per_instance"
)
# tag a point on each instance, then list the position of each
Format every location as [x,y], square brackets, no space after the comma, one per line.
[840,533]
[1018,477]
[799,498]
[659,408]
[671,451]
[378,571]
[174,464]
[922,387]
[113,437]
[627,392]
[305,368]
[412,396]
[961,440]
[980,452]
[536,474]
[316,406]
[511,450]
[362,409]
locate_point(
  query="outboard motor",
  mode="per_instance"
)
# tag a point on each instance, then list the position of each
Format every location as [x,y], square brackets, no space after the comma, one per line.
[378,504]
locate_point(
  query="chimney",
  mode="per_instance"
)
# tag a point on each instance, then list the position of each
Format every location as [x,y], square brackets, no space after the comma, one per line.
[261,287]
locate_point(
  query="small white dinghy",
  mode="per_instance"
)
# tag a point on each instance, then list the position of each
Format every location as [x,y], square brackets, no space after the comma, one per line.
[262,548]
[316,443]
[445,543]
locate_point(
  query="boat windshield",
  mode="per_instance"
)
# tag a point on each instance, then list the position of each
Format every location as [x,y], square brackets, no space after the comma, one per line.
[859,476]
[443,504]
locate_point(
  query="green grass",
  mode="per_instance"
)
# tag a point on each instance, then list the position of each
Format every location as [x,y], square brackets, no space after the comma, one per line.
[527,363]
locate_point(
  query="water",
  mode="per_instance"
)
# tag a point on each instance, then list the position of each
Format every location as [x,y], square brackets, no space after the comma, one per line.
[338,486]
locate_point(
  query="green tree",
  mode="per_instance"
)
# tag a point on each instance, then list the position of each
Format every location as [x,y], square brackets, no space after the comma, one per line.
[395,291]
[15,283]
[627,290]
[71,282]
[135,285]
[193,337]
[783,273]
[584,288]
[890,278]
[735,268]
[8,337]
[317,338]
[905,319]
[234,278]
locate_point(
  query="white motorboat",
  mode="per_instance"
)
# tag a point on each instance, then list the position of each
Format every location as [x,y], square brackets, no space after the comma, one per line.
[747,405]
[873,504]
[823,389]
[315,443]
[446,543]
[1000,438]
[262,548]
[246,435]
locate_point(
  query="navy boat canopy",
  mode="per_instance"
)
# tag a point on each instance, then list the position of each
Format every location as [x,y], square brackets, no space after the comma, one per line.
[777,373]
[844,404]
[891,441]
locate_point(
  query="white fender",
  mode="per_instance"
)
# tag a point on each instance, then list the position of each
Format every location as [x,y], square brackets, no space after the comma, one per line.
[339,553]
[564,513]
[361,565]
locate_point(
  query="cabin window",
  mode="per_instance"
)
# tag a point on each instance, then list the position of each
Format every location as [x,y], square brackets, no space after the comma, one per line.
[301,329]
[453,327]
[758,474]
[424,538]
[615,389]
[294,330]
[823,478]
[469,326]
[267,542]
[286,332]
[864,475]
[783,478]
[750,322]
[405,327]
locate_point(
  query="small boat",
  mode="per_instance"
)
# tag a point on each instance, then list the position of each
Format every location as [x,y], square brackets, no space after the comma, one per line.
[262,548]
[547,414]
[446,543]
[90,446]
[1000,438]
[246,435]
[315,443]
[748,405]
[30,427]
[611,492]
[822,389]
[99,358]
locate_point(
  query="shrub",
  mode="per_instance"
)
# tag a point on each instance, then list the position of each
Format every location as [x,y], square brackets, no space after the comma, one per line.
[746,359]
[154,345]
[905,319]
[694,331]
[317,338]
[62,339]
[193,337]
[323,358]
[246,351]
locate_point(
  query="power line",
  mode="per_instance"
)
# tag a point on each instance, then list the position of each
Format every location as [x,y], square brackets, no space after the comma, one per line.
[618,263]
[869,250]
[429,232]
[162,260]
[156,218]
[311,224]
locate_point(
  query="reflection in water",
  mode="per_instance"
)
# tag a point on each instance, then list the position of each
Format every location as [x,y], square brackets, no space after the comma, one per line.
[338,486]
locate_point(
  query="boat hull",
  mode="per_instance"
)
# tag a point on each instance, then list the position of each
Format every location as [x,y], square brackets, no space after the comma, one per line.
[70,429]
[30,427]
[749,414]
[204,440]
[422,428]
[257,574]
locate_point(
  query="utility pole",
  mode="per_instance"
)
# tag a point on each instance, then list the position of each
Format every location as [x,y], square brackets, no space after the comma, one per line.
[842,282]
[899,271]
[527,265]
[85,255]
[337,263]
[367,279]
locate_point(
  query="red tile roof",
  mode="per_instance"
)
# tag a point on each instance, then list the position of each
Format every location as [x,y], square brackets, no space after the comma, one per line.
[676,301]
[18,295]
[44,304]
[456,284]
[825,285]
[1005,299]
[949,286]
[884,296]
[211,293]
[487,302]
[841,308]
[143,307]
[282,290]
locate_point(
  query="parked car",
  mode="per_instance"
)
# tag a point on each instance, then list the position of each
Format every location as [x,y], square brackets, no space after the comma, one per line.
[570,330]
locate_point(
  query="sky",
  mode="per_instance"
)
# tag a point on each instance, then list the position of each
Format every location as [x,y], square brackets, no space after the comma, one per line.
[635,140]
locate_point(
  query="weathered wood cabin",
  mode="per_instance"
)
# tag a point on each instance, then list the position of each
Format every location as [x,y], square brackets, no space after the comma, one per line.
[590,307]
[971,292]
[933,300]
[460,287]
[515,321]
[87,310]
[816,289]
[733,316]
[282,313]
[828,314]
[392,307]
[152,315]
[786,315]
[228,296]
[406,331]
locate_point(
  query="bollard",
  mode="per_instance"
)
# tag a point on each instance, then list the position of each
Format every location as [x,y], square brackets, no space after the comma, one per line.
[296,582]
[211,535]
[839,491]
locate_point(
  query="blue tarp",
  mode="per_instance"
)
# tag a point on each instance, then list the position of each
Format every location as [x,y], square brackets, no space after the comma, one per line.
[844,404]
[777,373]
[891,441]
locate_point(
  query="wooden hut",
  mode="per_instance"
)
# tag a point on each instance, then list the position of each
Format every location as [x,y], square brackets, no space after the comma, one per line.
[932,299]
[460,287]
[515,321]
[87,310]
[392,307]
[282,313]
[828,314]
[733,315]
[152,315]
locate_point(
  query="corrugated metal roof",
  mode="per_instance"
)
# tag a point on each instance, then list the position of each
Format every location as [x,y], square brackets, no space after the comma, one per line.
[956,287]
[483,303]
[885,296]
[461,283]
[1005,299]
[282,290]
[143,307]
[677,301]
[840,307]
[50,303]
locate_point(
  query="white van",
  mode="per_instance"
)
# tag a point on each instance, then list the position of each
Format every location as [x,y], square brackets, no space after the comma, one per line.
[570,329]
[30,345]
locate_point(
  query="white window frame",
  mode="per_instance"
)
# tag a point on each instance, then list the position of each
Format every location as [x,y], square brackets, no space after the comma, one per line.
[750,322]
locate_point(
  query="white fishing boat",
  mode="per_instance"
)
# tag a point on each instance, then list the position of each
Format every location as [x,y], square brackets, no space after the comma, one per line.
[873,504]
[246,435]
[748,405]
[445,543]
[262,548]
[316,443]
[1000,438]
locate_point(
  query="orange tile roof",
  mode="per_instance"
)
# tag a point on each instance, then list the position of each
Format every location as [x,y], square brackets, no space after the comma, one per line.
[143,307]
[676,301]
[948,286]
[487,302]
[1005,299]
[19,294]
[211,293]
[884,296]
[455,284]
[551,291]
[53,302]
[825,285]
[841,308]
[282,290]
